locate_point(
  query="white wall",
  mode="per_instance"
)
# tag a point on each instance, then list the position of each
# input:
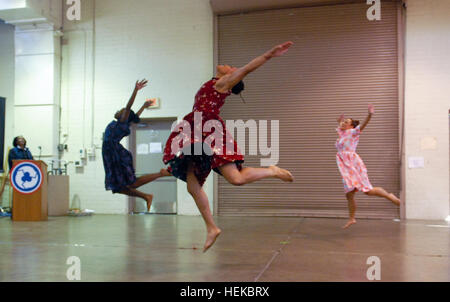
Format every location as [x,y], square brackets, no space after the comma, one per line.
[7,80]
[168,42]
[427,103]
[36,104]
[30,64]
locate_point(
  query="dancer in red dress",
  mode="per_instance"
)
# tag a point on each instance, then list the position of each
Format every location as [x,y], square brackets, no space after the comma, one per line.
[185,152]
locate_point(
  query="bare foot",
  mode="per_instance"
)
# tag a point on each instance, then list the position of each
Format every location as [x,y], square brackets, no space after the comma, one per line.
[211,238]
[148,199]
[349,223]
[164,172]
[394,199]
[282,174]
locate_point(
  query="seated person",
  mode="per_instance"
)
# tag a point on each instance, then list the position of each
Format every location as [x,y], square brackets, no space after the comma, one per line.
[20,151]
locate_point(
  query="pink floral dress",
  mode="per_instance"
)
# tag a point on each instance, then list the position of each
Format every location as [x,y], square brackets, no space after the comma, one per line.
[351,166]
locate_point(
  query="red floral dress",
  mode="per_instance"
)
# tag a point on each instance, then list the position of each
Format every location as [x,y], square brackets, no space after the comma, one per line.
[203,127]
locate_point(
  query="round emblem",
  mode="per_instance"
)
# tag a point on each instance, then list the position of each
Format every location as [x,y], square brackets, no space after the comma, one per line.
[26,177]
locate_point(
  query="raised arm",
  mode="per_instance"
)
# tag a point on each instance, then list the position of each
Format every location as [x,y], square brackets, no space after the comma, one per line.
[137,87]
[147,104]
[227,82]
[340,119]
[371,112]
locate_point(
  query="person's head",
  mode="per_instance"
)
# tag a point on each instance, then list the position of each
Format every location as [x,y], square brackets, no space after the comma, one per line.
[238,88]
[19,141]
[132,117]
[222,70]
[349,123]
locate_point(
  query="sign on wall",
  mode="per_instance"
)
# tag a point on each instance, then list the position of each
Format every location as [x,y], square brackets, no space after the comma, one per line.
[26,177]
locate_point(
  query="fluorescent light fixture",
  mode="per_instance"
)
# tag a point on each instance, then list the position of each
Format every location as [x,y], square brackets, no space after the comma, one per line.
[12,4]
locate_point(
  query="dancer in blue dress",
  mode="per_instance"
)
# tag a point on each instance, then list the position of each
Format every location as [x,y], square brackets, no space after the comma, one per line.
[118,162]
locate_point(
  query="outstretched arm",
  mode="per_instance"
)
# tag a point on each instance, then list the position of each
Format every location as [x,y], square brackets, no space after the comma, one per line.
[227,82]
[147,104]
[371,111]
[340,119]
[137,87]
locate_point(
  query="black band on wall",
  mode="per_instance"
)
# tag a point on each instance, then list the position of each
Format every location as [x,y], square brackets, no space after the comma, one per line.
[2,132]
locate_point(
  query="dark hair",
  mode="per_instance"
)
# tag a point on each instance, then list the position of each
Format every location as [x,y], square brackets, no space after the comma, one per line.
[15,143]
[132,117]
[238,88]
[355,123]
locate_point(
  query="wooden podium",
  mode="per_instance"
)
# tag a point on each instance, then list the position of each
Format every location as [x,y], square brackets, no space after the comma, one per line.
[29,202]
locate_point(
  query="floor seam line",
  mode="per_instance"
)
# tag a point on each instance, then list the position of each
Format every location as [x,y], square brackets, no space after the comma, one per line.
[277,252]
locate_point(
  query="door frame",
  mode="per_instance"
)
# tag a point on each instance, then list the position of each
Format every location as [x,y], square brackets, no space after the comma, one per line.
[132,149]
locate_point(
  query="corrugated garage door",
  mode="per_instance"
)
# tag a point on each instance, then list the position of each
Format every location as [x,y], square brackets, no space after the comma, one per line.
[340,62]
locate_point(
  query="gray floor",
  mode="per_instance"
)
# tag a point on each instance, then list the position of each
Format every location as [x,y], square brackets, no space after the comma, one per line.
[168,248]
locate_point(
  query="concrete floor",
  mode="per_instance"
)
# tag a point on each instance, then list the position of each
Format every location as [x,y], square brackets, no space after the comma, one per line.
[161,248]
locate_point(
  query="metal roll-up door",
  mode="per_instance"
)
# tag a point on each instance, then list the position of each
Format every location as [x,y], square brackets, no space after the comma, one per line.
[340,62]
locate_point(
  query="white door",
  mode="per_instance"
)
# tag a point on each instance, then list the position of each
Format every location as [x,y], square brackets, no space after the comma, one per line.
[147,142]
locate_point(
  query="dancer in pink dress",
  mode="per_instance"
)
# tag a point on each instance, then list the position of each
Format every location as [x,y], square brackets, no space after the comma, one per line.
[351,166]
[225,157]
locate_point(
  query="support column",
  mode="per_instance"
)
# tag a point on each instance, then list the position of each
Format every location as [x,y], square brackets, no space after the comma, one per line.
[37,88]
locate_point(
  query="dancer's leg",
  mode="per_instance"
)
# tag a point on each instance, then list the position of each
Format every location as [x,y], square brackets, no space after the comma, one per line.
[247,175]
[380,192]
[351,208]
[201,199]
[145,179]
[135,193]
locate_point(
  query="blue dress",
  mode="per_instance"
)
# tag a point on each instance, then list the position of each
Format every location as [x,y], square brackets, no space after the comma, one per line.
[117,161]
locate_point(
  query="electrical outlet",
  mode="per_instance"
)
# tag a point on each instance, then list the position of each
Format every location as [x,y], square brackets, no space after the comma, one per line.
[78,163]
[82,153]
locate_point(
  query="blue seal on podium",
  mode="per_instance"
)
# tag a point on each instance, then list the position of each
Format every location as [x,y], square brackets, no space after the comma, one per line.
[26,177]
